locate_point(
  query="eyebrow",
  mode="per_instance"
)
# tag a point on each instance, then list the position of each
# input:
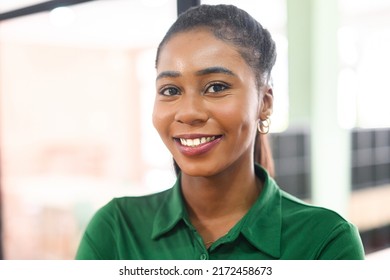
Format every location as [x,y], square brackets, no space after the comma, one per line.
[215,70]
[206,71]
[168,74]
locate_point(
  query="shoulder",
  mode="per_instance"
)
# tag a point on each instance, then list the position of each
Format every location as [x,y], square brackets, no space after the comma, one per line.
[133,205]
[118,223]
[299,211]
[295,214]
[329,234]
[128,209]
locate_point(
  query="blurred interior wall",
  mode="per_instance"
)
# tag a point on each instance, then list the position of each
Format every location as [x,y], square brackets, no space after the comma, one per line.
[69,119]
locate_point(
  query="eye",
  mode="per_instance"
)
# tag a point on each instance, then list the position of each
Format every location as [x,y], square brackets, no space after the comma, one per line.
[169,91]
[216,87]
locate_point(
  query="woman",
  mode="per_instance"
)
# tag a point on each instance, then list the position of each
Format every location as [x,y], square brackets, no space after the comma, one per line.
[213,102]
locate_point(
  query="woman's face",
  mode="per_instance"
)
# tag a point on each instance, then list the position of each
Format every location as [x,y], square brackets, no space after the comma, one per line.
[207,104]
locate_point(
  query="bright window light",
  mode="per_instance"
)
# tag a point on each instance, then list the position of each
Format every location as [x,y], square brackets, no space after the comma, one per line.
[62,16]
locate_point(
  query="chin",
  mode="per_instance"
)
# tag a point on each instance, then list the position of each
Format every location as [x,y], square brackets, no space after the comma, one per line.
[199,174]
[197,170]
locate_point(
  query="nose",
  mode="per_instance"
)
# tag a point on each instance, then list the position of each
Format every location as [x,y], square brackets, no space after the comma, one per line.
[191,110]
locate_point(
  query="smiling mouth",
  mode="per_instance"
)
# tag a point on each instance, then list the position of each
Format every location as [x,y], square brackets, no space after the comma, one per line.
[196,142]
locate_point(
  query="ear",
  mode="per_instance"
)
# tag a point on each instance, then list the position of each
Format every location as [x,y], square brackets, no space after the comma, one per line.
[266,107]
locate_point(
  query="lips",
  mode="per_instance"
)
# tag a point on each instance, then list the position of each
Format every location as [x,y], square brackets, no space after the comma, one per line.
[196,141]
[192,145]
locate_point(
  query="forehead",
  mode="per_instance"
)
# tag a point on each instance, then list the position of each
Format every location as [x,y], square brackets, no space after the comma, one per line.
[198,48]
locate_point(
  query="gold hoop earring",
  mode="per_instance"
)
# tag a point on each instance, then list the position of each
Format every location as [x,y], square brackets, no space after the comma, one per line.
[263,126]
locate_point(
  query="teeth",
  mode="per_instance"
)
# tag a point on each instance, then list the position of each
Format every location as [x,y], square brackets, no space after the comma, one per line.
[196,142]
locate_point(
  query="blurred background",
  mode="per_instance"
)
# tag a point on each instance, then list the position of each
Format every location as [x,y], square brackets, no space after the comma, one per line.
[77,91]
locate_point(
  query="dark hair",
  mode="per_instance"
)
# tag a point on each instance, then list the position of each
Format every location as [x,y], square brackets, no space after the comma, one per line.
[254,43]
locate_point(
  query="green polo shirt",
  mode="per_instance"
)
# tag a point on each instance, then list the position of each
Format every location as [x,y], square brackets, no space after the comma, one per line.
[278,226]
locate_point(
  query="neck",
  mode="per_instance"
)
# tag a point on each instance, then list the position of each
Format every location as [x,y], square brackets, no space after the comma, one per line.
[216,203]
[230,193]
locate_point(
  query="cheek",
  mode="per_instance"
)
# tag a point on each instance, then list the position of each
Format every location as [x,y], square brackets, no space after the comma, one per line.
[160,119]
[157,118]
[240,114]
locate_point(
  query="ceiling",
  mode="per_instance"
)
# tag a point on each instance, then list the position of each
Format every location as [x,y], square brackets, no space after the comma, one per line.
[134,22]
[101,22]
